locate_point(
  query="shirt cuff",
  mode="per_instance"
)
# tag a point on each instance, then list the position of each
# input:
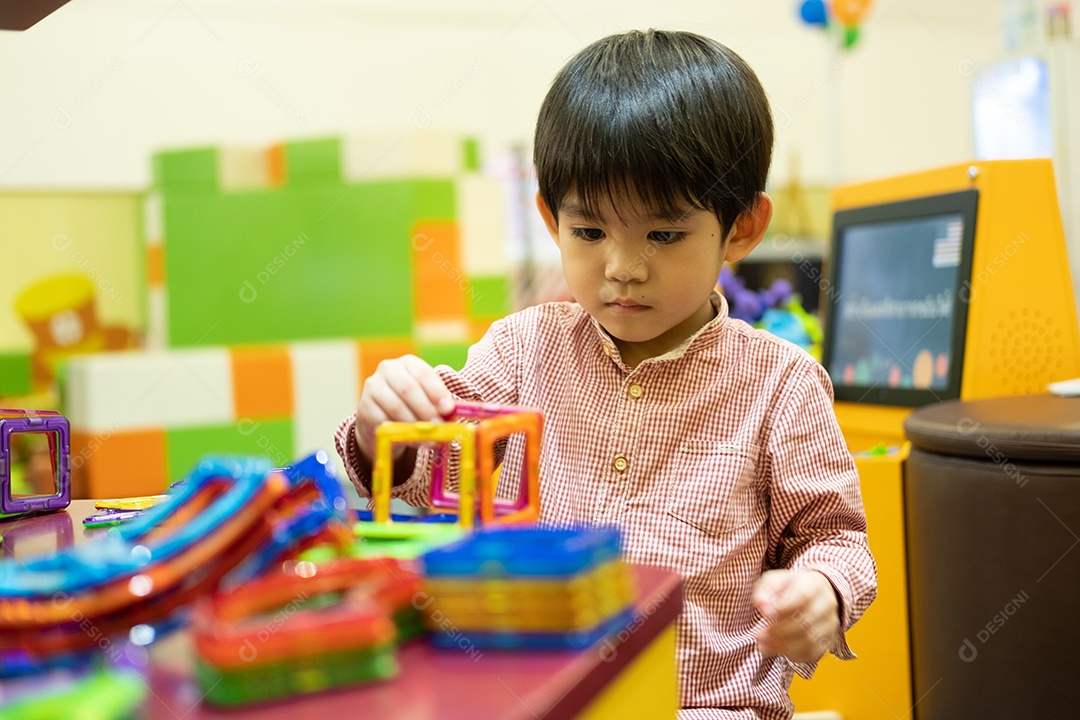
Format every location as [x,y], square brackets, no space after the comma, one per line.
[413,491]
[350,453]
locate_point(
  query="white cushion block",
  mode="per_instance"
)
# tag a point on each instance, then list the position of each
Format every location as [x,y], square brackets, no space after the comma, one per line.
[154,389]
[441,331]
[483,226]
[395,155]
[157,318]
[242,168]
[326,388]
[153,218]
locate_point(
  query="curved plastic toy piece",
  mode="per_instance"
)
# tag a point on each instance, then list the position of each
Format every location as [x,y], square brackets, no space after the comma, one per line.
[229,510]
[122,551]
[321,645]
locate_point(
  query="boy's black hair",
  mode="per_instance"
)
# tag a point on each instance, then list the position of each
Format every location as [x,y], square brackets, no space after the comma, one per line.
[673,117]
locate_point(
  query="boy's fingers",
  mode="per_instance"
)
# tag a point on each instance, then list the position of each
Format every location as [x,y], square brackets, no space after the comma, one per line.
[769,591]
[401,396]
[431,385]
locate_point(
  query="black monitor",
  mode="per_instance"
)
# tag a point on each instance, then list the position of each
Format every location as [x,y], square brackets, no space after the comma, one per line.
[896,307]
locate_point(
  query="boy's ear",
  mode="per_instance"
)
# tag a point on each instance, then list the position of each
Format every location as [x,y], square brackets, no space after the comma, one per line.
[549,218]
[749,229]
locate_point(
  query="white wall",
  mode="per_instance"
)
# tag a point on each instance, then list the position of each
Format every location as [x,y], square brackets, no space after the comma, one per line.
[87,94]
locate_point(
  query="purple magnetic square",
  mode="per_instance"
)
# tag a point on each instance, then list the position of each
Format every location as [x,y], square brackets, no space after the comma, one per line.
[444,499]
[62,455]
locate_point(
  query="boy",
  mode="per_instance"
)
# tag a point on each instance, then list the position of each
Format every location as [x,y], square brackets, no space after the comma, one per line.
[712,445]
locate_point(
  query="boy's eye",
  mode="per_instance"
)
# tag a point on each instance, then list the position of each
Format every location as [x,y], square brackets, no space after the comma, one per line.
[665,237]
[588,233]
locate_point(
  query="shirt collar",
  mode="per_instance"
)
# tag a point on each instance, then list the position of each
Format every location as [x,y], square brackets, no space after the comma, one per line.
[705,336]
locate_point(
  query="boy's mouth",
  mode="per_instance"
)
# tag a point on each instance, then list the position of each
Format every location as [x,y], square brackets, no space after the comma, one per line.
[626,305]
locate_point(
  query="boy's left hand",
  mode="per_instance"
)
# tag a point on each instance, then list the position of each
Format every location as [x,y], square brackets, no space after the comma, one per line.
[801,612]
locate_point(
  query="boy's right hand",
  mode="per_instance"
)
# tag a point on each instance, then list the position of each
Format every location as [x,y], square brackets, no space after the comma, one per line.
[403,390]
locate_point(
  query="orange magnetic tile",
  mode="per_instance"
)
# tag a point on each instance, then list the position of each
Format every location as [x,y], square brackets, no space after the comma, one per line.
[155,265]
[262,382]
[120,464]
[373,352]
[440,280]
[275,165]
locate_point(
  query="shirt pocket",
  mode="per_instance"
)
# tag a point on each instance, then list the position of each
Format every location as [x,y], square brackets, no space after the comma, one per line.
[713,486]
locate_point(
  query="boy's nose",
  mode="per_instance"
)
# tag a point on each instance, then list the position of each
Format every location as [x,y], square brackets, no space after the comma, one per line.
[623,266]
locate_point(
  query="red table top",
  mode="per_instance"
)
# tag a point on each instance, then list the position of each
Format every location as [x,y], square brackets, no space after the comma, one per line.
[433,683]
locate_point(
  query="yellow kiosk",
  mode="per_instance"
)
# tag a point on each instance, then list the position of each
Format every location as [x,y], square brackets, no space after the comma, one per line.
[945,284]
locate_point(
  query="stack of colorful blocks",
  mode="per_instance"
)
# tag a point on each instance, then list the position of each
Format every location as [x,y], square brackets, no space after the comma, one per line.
[510,587]
[305,629]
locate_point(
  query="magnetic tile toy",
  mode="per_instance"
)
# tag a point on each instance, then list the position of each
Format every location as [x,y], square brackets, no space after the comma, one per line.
[304,629]
[507,587]
[473,430]
[35,422]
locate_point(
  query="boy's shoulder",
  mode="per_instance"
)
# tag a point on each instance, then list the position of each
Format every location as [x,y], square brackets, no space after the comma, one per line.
[763,341]
[564,314]
[759,352]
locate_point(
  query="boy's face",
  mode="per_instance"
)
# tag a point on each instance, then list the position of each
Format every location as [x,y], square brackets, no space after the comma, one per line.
[646,279]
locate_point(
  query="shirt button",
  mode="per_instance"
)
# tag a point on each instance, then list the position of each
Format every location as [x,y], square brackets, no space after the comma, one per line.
[621,463]
[636,391]
[608,350]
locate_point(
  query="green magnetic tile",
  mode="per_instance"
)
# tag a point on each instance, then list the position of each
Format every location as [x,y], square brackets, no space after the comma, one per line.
[489,296]
[285,265]
[470,150]
[105,695]
[401,540]
[296,677]
[313,162]
[188,171]
[272,439]
[452,354]
[15,374]
[409,623]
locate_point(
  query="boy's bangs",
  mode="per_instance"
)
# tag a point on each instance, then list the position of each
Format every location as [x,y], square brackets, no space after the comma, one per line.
[601,166]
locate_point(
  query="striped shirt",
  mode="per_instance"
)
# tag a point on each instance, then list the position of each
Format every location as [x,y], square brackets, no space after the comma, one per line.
[719,460]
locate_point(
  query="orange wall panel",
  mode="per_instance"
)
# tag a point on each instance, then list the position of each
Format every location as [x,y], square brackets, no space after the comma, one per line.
[262,382]
[439,274]
[100,462]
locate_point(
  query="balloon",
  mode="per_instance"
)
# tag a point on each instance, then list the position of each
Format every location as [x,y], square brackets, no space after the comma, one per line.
[813,12]
[850,12]
[851,36]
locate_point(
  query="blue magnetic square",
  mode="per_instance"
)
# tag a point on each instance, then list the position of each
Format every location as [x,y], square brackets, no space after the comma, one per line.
[529,552]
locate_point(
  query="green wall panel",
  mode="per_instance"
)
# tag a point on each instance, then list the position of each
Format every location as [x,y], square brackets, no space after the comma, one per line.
[432,199]
[452,354]
[313,162]
[15,374]
[470,148]
[188,171]
[283,265]
[272,439]
[488,296]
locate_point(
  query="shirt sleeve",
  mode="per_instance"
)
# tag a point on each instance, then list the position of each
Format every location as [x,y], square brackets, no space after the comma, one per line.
[816,518]
[489,375]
